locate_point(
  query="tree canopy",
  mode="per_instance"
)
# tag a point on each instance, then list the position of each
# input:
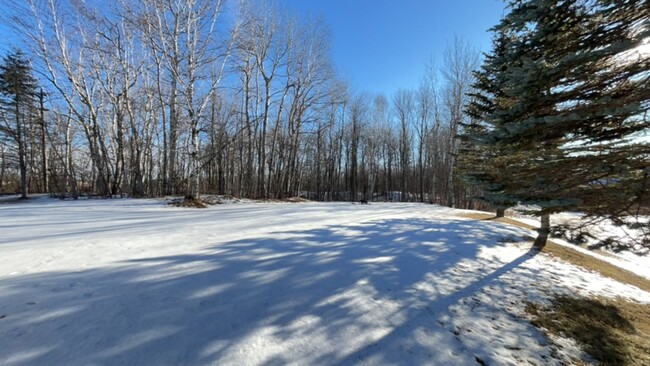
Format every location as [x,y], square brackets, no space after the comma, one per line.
[560,107]
[17,98]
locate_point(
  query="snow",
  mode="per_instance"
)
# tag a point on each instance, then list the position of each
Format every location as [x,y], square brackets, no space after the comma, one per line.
[600,230]
[139,282]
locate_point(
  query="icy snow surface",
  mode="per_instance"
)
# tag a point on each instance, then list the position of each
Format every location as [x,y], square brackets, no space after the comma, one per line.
[137,282]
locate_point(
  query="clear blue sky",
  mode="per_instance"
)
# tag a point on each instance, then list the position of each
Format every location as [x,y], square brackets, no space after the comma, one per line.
[382,45]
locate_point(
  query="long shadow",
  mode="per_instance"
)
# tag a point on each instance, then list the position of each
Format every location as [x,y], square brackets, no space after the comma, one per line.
[63,219]
[444,303]
[333,295]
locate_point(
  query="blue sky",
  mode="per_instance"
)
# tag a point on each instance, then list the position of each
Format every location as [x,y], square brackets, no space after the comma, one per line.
[382,45]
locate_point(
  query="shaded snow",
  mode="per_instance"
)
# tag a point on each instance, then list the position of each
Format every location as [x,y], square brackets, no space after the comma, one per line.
[600,230]
[135,282]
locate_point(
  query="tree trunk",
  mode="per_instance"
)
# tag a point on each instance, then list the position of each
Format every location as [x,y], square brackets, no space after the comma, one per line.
[21,154]
[261,163]
[173,140]
[69,169]
[120,161]
[2,168]
[545,228]
[194,176]
[46,183]
[501,212]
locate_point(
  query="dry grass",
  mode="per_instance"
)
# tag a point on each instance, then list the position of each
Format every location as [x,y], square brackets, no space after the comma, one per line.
[282,200]
[209,200]
[613,331]
[189,203]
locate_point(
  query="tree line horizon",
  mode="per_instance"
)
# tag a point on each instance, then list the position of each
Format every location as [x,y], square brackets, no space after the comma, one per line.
[156,98]
[166,97]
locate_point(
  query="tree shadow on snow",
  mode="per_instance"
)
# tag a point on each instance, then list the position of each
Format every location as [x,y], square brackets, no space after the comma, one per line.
[375,292]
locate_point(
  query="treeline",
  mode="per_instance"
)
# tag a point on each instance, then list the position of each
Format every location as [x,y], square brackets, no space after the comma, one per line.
[167,97]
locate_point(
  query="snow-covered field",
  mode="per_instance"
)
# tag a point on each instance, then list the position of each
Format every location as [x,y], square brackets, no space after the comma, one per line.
[136,282]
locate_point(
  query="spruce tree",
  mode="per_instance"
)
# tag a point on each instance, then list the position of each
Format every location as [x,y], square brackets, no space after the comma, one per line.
[481,163]
[576,104]
[17,99]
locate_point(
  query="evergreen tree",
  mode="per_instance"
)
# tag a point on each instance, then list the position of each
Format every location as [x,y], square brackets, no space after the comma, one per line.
[17,99]
[481,163]
[576,104]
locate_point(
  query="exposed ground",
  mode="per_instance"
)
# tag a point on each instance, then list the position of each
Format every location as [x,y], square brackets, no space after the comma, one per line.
[614,331]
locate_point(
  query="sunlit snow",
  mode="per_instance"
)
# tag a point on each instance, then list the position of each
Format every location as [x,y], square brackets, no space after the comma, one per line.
[138,282]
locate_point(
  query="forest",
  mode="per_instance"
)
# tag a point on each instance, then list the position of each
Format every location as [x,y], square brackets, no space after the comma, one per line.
[166,97]
[191,97]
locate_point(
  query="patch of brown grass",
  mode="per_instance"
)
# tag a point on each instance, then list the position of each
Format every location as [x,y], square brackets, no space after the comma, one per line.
[490,217]
[296,199]
[613,331]
[214,200]
[282,200]
[189,203]
[573,256]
